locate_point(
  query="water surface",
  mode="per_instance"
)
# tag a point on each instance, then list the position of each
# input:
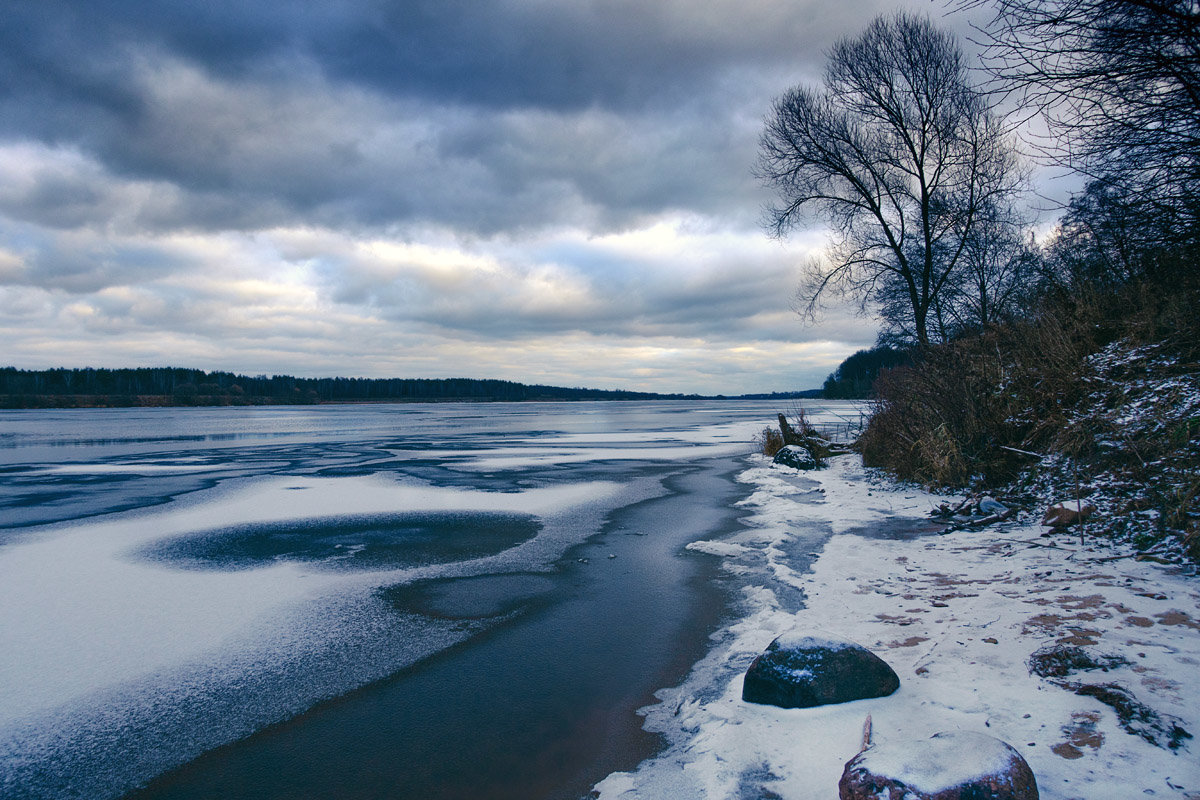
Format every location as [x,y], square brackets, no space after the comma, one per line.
[340,601]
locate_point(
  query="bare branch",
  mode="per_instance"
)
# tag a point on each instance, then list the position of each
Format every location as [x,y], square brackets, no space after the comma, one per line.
[897,153]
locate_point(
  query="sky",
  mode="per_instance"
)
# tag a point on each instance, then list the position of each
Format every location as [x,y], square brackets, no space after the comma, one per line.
[546,191]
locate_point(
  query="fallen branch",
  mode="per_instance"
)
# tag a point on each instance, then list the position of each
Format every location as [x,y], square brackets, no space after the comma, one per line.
[982,521]
[944,510]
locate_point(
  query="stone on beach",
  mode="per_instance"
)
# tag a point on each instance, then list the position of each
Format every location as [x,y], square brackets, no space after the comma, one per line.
[953,765]
[796,457]
[803,671]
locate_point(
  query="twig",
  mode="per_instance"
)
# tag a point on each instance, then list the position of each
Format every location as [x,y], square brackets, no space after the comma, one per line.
[1022,452]
[1079,505]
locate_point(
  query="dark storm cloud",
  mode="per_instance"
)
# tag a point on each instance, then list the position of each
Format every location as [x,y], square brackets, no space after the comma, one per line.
[535,112]
[476,52]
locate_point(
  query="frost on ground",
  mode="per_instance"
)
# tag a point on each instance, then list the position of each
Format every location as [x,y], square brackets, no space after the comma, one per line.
[1129,446]
[1082,658]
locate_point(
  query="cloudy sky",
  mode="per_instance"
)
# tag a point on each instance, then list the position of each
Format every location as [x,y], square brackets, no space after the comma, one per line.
[551,191]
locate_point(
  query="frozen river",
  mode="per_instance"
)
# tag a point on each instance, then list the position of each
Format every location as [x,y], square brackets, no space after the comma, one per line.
[354,601]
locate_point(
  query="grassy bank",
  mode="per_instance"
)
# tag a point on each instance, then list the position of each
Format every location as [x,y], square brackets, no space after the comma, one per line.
[1094,396]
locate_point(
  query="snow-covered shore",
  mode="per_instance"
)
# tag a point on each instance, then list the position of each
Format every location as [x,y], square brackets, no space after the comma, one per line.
[958,616]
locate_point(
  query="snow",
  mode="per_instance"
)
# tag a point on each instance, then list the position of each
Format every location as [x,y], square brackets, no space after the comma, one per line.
[939,763]
[808,640]
[1141,406]
[957,616]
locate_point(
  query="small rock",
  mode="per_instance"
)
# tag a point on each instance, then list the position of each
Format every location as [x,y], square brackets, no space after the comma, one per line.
[954,765]
[803,671]
[989,505]
[796,457]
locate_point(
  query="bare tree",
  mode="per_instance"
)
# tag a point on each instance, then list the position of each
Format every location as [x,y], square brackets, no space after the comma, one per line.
[1000,267]
[1118,84]
[1107,239]
[899,154]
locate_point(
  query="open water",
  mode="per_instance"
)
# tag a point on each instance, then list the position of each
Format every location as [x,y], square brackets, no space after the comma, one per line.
[381,601]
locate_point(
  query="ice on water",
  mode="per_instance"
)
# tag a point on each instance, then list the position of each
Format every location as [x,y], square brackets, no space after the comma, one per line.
[117,662]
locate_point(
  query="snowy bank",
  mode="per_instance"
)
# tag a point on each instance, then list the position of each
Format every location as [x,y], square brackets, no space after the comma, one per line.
[959,617]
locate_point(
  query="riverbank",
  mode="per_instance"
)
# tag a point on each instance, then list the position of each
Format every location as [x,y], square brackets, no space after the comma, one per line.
[959,616]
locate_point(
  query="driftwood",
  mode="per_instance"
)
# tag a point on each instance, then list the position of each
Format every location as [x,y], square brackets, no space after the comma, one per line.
[790,435]
[999,516]
[806,438]
[969,513]
[945,509]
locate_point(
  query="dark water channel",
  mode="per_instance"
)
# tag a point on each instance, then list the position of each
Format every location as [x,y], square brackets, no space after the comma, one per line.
[541,706]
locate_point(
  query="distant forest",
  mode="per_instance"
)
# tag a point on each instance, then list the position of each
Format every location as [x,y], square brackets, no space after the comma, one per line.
[855,378]
[171,386]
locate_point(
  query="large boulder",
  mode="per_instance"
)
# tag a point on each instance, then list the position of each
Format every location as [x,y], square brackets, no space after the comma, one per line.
[802,671]
[958,765]
[796,457]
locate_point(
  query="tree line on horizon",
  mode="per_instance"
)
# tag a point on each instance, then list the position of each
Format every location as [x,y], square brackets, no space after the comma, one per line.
[159,386]
[175,386]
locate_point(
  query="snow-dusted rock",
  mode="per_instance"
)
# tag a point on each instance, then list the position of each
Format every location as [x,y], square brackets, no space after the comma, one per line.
[955,765]
[802,671]
[796,457]
[1063,515]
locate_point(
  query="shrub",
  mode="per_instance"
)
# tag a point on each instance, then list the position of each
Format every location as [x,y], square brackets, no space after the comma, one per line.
[1105,387]
[769,442]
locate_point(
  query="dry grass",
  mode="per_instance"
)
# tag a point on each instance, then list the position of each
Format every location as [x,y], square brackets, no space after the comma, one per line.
[1098,385]
[769,442]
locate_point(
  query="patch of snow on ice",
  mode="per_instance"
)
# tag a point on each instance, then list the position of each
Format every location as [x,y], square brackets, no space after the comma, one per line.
[726,549]
[79,614]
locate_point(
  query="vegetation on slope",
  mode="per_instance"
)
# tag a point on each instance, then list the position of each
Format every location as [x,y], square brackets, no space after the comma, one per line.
[1067,368]
[1094,396]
